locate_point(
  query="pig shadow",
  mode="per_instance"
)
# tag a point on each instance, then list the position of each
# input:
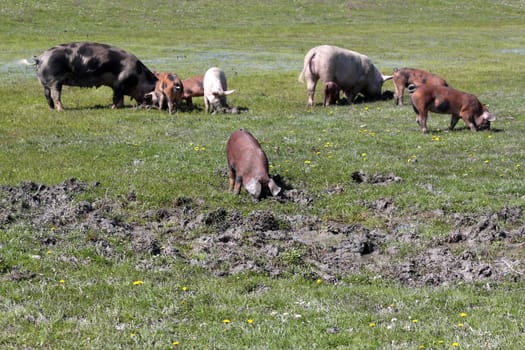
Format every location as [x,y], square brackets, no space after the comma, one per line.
[360,99]
[463,128]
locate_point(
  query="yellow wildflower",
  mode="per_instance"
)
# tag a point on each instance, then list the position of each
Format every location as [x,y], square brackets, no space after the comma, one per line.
[372,324]
[455,344]
[250,321]
[138,283]
[226,321]
[176,343]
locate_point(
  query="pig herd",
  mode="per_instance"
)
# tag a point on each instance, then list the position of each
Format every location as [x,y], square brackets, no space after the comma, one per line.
[86,64]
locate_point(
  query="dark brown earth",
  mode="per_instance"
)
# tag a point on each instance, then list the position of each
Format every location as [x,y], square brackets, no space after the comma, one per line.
[478,248]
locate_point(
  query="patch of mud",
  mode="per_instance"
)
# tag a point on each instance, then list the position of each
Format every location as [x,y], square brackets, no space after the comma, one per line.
[377,179]
[224,241]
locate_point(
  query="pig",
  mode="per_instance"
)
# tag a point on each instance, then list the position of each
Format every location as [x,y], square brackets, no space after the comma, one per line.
[446,100]
[193,87]
[248,166]
[215,91]
[353,72]
[88,64]
[403,77]
[169,87]
[331,93]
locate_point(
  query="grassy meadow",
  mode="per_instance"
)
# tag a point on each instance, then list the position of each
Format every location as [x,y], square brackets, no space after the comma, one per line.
[478,46]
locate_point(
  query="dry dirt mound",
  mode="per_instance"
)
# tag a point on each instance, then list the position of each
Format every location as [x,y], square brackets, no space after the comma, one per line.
[224,241]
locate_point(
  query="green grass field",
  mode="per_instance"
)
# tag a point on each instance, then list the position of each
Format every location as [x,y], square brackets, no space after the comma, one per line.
[78,298]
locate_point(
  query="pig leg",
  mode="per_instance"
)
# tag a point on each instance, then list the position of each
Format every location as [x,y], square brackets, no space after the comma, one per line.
[161,100]
[238,183]
[310,88]
[207,105]
[398,94]
[231,176]
[453,121]
[54,93]
[468,119]
[422,121]
[47,93]
[118,98]
[170,106]
[350,95]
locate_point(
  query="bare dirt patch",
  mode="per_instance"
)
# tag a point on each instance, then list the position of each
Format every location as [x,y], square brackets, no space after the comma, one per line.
[223,241]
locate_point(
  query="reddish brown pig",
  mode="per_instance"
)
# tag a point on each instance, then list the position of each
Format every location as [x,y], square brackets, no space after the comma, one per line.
[168,87]
[331,93]
[193,87]
[248,165]
[446,100]
[405,76]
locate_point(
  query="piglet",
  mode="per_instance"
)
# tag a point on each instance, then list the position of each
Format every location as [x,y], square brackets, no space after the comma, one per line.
[168,87]
[331,93]
[248,165]
[446,100]
[193,87]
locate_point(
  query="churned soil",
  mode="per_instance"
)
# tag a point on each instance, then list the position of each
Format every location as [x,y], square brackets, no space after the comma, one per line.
[224,241]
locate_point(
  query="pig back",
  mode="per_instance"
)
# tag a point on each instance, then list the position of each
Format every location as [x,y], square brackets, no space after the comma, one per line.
[245,154]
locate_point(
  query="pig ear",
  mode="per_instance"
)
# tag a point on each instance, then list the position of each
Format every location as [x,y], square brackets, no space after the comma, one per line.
[254,188]
[229,92]
[273,188]
[488,116]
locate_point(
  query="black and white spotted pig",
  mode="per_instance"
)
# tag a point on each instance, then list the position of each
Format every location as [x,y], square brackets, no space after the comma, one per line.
[87,64]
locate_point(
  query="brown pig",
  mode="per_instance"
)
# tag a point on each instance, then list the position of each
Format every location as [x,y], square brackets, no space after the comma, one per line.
[193,87]
[403,77]
[331,93]
[446,100]
[169,87]
[248,165]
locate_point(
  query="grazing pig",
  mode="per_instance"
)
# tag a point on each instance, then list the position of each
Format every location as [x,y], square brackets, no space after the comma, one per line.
[331,93]
[248,165]
[87,64]
[353,72]
[446,100]
[215,91]
[168,87]
[403,77]
[193,87]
